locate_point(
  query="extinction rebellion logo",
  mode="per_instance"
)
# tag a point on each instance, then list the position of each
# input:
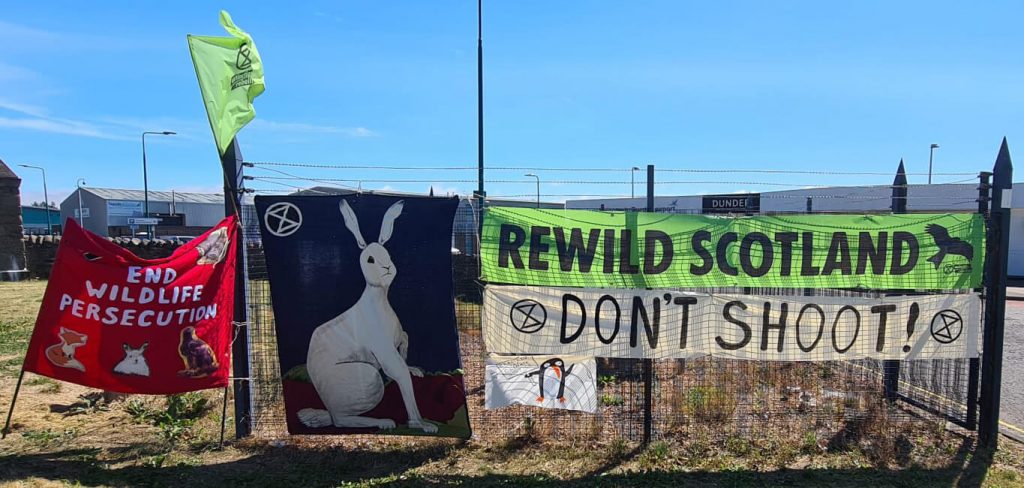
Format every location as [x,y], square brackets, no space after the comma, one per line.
[243,61]
[528,316]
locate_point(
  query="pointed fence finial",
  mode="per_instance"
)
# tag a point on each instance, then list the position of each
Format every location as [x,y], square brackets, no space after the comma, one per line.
[901,175]
[899,190]
[1002,173]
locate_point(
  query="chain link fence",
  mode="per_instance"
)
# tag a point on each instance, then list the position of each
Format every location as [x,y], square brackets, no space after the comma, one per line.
[804,405]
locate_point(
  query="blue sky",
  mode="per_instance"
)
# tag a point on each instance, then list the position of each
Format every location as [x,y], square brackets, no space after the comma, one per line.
[760,85]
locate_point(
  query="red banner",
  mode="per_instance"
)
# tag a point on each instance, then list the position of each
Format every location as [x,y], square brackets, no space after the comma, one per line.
[115,321]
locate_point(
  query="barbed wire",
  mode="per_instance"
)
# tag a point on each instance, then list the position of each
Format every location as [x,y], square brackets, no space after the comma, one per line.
[550,182]
[587,169]
[296,177]
[763,197]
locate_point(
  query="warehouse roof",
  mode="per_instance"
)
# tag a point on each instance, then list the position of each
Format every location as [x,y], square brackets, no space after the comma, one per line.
[156,196]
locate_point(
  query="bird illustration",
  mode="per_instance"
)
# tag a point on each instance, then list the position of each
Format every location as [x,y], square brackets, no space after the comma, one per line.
[947,245]
[556,365]
[198,356]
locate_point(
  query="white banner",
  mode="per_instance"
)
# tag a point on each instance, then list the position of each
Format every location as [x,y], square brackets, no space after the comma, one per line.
[674,324]
[563,382]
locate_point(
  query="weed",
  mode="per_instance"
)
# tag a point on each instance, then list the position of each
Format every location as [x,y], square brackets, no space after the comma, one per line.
[154,461]
[809,444]
[612,400]
[738,445]
[529,428]
[190,405]
[655,455]
[605,380]
[49,436]
[709,404]
[178,420]
[617,449]
[48,385]
[659,450]
[138,410]
[88,403]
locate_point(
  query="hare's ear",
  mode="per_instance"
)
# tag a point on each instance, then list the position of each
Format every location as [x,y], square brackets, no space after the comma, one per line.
[388,225]
[143,347]
[352,223]
[126,347]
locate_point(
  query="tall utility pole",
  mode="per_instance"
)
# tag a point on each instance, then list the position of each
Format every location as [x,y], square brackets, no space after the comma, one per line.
[46,197]
[81,213]
[931,156]
[480,104]
[632,181]
[145,177]
[538,187]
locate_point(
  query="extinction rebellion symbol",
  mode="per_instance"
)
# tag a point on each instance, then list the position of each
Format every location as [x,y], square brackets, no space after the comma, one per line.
[947,325]
[242,60]
[282,219]
[528,316]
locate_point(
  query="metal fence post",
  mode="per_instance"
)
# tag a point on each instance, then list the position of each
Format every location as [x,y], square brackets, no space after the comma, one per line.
[891,368]
[974,368]
[995,298]
[231,160]
[648,364]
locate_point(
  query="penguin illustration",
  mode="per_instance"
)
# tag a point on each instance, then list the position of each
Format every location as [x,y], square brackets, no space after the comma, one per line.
[556,365]
[198,356]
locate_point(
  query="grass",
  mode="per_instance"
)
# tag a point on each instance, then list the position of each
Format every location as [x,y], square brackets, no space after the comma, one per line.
[66,434]
[19,303]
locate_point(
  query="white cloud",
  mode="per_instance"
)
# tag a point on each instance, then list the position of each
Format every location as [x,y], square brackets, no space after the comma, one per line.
[37,118]
[264,125]
[24,38]
[10,72]
[57,126]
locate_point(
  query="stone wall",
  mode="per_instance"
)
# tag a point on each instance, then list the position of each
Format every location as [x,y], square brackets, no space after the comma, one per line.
[12,252]
[42,251]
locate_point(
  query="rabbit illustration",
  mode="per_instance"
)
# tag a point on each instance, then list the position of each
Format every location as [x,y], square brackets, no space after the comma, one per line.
[347,353]
[134,362]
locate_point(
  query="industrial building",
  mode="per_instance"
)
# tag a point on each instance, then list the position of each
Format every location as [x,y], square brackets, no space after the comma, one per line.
[938,198]
[464,227]
[107,211]
[38,220]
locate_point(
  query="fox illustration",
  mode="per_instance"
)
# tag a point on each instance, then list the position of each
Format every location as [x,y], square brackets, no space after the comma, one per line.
[63,353]
[947,245]
[214,248]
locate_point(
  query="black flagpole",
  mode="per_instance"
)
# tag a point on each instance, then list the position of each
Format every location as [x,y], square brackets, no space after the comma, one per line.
[480,104]
[17,388]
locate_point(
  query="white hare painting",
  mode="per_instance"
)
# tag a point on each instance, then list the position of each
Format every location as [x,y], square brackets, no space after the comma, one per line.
[347,353]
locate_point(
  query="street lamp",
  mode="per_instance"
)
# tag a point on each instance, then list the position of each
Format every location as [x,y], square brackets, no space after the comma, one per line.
[931,155]
[632,181]
[46,197]
[145,177]
[538,187]
[81,215]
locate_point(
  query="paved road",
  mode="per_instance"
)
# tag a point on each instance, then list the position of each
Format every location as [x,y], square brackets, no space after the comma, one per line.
[1012,398]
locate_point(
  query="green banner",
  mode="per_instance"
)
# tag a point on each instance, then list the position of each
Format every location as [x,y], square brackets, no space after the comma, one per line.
[599,249]
[230,75]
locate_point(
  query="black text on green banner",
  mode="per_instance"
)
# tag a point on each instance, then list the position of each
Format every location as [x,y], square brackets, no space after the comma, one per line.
[646,250]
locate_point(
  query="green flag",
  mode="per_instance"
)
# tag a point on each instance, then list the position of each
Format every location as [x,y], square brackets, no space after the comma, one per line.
[230,76]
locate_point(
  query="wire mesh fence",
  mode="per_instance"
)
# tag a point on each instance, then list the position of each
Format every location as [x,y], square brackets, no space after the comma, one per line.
[807,404]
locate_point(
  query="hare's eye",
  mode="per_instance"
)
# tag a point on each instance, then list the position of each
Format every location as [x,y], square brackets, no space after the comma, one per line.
[369,260]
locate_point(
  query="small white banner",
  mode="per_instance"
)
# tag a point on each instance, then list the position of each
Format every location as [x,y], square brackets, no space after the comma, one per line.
[673,324]
[562,382]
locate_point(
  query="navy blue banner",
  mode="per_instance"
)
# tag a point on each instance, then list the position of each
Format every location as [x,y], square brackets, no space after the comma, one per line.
[364,311]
